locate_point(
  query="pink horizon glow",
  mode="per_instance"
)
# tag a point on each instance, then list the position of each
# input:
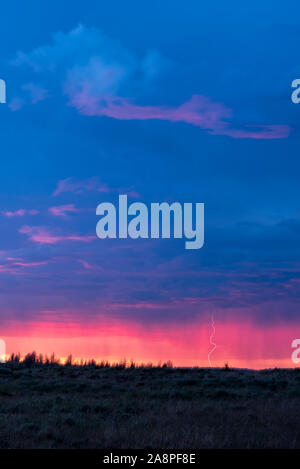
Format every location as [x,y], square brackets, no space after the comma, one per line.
[241,344]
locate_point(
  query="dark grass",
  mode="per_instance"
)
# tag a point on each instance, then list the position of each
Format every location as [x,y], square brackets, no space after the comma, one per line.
[48,405]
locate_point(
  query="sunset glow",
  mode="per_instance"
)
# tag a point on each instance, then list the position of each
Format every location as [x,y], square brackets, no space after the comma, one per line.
[238,344]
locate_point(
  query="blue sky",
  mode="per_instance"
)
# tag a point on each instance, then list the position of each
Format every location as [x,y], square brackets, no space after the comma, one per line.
[164,101]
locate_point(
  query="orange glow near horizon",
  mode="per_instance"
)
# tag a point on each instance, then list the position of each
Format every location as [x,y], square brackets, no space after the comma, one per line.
[243,345]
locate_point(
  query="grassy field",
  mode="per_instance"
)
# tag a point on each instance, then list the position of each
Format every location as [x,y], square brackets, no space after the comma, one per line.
[47,405]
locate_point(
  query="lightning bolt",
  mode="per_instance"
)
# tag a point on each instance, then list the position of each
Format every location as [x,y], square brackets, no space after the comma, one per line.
[214,346]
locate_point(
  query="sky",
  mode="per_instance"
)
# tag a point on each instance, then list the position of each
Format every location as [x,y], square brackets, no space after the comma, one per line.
[162,101]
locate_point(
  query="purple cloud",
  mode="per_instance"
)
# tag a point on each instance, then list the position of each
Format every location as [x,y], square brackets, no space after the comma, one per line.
[96,72]
[200,111]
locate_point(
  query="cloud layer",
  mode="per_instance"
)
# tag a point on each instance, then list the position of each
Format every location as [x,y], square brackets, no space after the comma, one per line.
[97,74]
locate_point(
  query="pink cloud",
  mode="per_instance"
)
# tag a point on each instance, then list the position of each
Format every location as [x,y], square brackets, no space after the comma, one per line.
[96,68]
[14,259]
[131,193]
[20,213]
[85,264]
[63,210]
[41,235]
[14,266]
[16,103]
[80,186]
[200,111]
